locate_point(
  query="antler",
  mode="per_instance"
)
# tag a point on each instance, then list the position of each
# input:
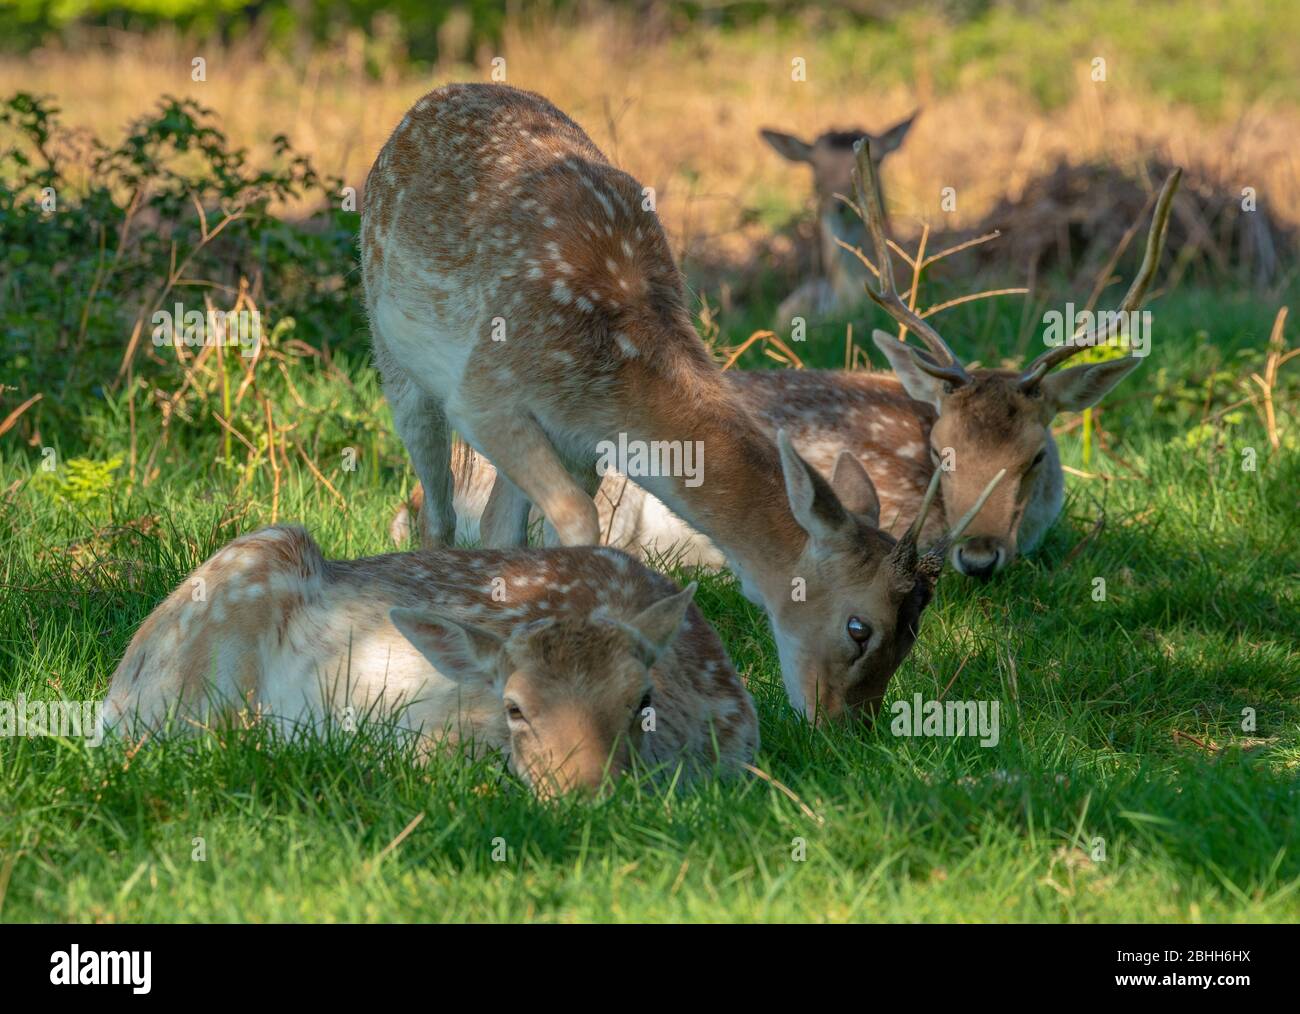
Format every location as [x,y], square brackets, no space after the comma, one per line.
[904,555]
[932,562]
[914,532]
[1132,300]
[941,363]
[954,373]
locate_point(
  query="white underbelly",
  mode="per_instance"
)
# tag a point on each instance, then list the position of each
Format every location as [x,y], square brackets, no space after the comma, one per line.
[431,342]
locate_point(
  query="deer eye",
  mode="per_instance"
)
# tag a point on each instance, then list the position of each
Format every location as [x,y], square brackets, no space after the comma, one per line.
[1038,458]
[859,630]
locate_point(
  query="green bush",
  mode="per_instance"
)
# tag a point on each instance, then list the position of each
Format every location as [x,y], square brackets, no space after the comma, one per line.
[93,237]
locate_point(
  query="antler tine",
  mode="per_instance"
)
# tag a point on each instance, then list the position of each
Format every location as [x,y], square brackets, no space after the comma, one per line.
[1132,299]
[903,556]
[868,194]
[940,549]
[1155,244]
[953,373]
[914,532]
[960,527]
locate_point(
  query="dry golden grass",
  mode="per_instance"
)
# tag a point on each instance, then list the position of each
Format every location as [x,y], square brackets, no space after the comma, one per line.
[683,116]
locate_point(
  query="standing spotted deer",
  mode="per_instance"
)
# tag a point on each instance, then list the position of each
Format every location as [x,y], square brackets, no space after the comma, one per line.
[519,291]
[568,660]
[837,286]
[898,425]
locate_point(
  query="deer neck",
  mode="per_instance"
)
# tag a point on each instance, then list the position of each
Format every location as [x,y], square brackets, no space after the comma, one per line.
[738,497]
[842,269]
[1045,499]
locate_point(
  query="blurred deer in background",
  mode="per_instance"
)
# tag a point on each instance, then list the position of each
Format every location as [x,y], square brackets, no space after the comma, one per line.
[521,290]
[837,286]
[568,660]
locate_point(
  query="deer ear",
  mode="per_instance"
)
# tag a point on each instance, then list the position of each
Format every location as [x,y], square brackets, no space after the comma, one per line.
[788,146]
[1081,387]
[891,139]
[918,384]
[812,501]
[854,487]
[457,650]
[658,624]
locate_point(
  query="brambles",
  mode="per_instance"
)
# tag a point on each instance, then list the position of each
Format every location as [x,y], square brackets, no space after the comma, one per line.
[131,274]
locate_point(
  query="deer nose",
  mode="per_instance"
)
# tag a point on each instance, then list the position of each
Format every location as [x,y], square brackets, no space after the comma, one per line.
[979,558]
[821,706]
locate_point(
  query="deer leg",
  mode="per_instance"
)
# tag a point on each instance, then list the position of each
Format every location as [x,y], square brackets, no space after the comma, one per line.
[505,518]
[424,429]
[399,528]
[521,450]
[589,479]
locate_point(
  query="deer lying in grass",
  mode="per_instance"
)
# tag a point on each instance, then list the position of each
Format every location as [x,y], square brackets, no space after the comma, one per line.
[520,289]
[898,425]
[569,660]
[837,286]
[996,419]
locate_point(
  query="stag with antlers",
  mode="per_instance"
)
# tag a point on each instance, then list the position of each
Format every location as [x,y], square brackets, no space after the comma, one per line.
[988,420]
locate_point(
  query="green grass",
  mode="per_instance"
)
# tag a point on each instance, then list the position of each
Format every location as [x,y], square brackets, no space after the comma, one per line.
[1212,55]
[1099,702]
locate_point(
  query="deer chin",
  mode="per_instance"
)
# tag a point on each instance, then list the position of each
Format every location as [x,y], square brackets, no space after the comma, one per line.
[823,700]
[858,703]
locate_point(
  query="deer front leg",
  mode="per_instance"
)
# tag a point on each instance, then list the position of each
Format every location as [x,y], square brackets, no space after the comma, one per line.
[589,479]
[521,450]
[424,429]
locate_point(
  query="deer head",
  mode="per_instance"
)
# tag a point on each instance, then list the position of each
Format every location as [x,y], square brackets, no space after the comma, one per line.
[572,690]
[831,157]
[995,420]
[850,623]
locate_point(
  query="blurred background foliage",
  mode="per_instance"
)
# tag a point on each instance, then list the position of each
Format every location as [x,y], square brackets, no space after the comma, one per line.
[142,161]
[1204,51]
